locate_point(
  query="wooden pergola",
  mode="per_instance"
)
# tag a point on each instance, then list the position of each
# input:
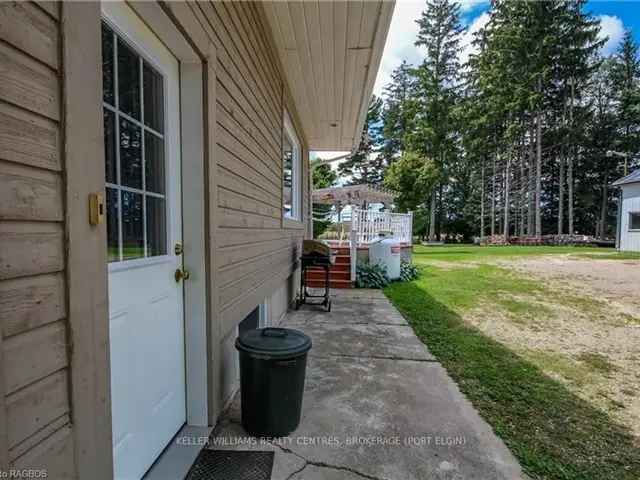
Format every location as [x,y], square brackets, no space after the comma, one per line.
[356,195]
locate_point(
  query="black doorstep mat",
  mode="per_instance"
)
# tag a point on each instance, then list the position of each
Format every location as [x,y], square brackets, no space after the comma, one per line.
[232,465]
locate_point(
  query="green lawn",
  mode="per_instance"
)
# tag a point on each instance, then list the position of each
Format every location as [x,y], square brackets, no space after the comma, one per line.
[531,398]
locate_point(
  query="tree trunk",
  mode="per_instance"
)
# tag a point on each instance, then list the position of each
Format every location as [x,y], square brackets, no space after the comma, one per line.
[603,207]
[506,199]
[432,217]
[493,198]
[523,190]
[570,162]
[482,200]
[440,209]
[531,183]
[538,173]
[561,196]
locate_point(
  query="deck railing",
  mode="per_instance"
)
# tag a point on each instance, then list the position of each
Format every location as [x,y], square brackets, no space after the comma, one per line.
[367,225]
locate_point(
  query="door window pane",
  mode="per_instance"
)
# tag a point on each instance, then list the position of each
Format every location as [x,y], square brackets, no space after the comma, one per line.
[130,154]
[113,245]
[154,163]
[153,98]
[132,225]
[108,94]
[110,147]
[134,149]
[128,81]
[156,227]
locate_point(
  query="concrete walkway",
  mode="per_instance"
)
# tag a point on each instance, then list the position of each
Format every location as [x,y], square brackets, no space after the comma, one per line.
[377,406]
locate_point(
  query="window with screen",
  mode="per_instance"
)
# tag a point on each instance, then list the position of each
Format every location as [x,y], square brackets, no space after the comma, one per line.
[634,221]
[291,163]
[134,146]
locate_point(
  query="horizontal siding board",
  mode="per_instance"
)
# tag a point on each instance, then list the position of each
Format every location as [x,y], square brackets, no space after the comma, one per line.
[248,54]
[260,271]
[237,183]
[23,366]
[27,83]
[252,85]
[230,96]
[30,29]
[40,436]
[236,81]
[242,167]
[240,202]
[240,271]
[37,405]
[54,454]
[233,313]
[30,249]
[238,219]
[232,237]
[28,139]
[249,253]
[28,193]
[235,146]
[52,7]
[247,138]
[30,302]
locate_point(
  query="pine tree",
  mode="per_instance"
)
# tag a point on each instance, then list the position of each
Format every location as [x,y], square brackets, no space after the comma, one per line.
[396,114]
[366,165]
[436,92]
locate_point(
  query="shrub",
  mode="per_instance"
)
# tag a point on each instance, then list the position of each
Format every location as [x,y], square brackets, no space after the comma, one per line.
[371,276]
[408,271]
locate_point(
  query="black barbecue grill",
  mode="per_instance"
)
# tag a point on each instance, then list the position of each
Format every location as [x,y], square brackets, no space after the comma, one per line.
[315,255]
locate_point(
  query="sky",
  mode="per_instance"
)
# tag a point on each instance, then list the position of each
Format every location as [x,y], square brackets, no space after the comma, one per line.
[615,17]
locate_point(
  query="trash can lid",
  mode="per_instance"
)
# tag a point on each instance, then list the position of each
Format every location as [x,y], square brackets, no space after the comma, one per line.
[274,342]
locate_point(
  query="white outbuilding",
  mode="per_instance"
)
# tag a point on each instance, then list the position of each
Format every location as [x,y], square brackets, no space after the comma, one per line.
[628,238]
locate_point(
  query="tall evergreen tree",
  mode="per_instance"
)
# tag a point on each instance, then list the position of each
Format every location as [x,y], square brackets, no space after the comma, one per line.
[366,165]
[437,81]
[398,95]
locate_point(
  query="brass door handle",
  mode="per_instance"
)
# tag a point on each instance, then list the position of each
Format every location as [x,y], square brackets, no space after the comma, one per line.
[181,275]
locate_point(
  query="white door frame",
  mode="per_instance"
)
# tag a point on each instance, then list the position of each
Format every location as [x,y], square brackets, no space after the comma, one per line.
[192,140]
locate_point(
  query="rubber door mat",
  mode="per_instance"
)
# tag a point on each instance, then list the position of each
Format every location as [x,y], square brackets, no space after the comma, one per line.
[232,465]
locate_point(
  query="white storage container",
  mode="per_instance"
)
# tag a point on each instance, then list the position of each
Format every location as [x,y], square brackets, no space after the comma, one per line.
[386,251]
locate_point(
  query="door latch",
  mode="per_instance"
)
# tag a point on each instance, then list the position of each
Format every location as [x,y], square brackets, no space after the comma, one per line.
[181,274]
[178,249]
[96,208]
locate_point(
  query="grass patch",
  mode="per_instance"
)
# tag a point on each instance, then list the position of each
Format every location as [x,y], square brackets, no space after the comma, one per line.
[560,365]
[422,253]
[612,256]
[527,398]
[553,433]
[597,362]
[520,310]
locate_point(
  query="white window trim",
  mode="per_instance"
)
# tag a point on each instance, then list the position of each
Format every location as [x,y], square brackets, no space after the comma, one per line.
[296,174]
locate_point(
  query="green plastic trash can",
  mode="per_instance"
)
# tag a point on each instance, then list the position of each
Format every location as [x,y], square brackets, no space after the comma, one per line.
[272,371]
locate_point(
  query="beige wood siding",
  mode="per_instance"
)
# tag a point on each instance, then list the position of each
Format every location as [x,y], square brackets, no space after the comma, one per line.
[255,251]
[36,430]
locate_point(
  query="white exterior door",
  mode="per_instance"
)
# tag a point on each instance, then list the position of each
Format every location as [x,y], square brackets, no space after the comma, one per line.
[142,157]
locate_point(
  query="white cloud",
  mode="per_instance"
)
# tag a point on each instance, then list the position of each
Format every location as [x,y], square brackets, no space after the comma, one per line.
[468,5]
[404,30]
[612,27]
[466,46]
[399,46]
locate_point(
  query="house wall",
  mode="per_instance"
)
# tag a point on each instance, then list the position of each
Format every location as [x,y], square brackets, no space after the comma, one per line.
[45,176]
[629,241]
[254,249]
[35,427]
